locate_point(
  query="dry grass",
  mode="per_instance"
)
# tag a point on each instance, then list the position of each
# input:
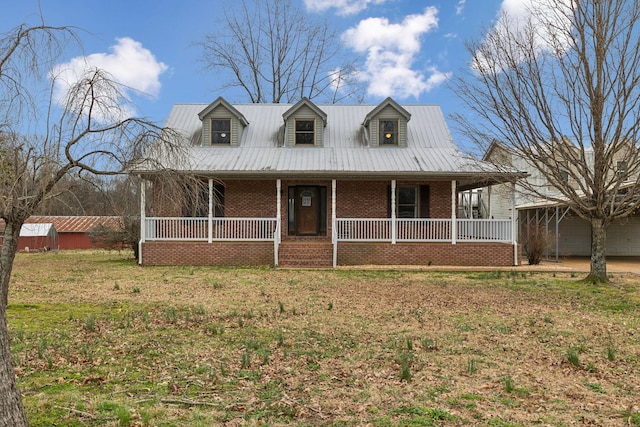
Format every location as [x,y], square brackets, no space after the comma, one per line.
[100,341]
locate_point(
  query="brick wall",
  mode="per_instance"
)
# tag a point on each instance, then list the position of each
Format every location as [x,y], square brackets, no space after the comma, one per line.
[349,253]
[203,253]
[463,254]
[250,198]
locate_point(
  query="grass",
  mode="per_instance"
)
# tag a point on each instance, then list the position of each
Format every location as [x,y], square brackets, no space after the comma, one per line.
[212,346]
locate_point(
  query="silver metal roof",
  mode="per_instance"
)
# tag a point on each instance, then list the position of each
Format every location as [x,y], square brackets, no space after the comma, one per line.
[430,149]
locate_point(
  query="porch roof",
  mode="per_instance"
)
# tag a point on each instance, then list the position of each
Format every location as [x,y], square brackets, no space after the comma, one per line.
[430,151]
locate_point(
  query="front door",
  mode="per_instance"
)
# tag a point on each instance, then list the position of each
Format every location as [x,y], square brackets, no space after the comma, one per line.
[307,210]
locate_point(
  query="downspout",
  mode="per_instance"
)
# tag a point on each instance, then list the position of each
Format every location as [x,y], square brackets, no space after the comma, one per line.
[277,235]
[334,232]
[143,219]
[454,222]
[394,224]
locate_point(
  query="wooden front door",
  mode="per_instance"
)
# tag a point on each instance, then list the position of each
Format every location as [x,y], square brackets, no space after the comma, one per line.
[307,211]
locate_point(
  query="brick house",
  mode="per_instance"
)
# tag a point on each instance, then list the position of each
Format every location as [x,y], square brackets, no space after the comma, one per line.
[319,186]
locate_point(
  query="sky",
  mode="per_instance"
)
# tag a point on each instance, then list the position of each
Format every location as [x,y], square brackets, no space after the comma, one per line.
[405,49]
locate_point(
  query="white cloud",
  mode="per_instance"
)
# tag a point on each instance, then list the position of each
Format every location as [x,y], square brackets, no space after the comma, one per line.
[549,18]
[391,50]
[343,7]
[460,7]
[133,67]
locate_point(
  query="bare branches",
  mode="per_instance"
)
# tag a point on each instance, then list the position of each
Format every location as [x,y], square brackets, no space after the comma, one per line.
[561,91]
[572,103]
[276,54]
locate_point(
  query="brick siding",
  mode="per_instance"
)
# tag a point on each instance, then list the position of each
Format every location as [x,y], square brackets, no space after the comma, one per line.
[461,254]
[203,253]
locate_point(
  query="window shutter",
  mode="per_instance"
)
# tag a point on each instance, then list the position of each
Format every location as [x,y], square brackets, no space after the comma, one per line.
[424,201]
[388,201]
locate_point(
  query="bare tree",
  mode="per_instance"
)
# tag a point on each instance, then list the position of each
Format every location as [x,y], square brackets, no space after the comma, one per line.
[275,53]
[42,139]
[561,90]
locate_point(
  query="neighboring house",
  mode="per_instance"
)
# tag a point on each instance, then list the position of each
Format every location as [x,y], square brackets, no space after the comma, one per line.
[318,186]
[572,233]
[73,231]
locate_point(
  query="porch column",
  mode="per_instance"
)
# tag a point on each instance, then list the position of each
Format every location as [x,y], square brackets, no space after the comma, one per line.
[394,224]
[277,236]
[334,231]
[210,216]
[143,219]
[514,223]
[454,219]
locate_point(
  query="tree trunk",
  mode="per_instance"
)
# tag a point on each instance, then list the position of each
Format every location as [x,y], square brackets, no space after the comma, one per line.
[11,409]
[598,250]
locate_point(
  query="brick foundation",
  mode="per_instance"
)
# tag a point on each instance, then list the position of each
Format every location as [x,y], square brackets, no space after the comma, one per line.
[310,254]
[461,254]
[203,253]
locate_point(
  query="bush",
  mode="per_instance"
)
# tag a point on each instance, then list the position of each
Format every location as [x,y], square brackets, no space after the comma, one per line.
[126,237]
[536,240]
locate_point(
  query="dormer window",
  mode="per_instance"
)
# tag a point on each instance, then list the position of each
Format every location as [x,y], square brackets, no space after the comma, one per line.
[220,131]
[305,132]
[387,125]
[388,132]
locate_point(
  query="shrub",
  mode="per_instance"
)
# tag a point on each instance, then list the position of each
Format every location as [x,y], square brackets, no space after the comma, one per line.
[536,240]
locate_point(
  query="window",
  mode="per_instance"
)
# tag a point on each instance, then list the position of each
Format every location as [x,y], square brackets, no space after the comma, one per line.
[621,169]
[563,171]
[412,201]
[388,132]
[305,132]
[407,202]
[221,131]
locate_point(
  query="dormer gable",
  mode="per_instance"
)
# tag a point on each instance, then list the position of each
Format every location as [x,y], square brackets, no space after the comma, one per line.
[387,124]
[222,124]
[304,125]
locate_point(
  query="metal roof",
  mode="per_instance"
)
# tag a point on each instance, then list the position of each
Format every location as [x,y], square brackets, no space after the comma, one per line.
[430,149]
[37,230]
[77,224]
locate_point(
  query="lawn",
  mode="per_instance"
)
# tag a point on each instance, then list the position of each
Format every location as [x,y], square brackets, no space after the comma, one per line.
[98,340]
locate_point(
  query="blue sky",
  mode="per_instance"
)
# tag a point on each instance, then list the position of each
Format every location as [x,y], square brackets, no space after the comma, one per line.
[150,45]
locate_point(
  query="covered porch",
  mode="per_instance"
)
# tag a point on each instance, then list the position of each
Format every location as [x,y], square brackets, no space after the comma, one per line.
[332,235]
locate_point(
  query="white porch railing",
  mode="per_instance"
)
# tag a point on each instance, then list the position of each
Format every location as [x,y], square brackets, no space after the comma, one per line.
[346,229]
[422,230]
[222,229]
[485,230]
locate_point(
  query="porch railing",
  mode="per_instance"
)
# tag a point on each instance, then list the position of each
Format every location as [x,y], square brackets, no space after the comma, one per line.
[422,230]
[485,230]
[222,229]
[346,229]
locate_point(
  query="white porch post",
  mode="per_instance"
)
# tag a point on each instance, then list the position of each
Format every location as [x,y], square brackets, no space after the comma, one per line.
[278,233]
[143,219]
[334,232]
[394,224]
[514,224]
[454,220]
[210,217]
